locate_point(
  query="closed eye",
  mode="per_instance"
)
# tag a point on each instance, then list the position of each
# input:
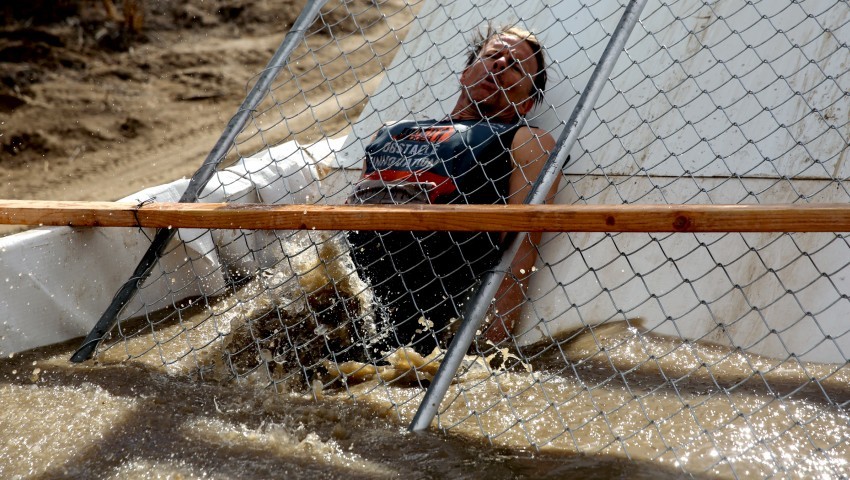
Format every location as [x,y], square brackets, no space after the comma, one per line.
[511,61]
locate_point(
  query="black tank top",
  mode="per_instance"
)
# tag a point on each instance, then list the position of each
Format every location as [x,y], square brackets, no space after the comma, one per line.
[429,274]
[437,162]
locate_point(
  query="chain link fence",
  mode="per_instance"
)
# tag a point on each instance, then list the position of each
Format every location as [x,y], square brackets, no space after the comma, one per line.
[719,354]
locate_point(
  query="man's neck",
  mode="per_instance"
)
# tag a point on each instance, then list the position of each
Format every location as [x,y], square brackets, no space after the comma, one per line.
[472,113]
[466,111]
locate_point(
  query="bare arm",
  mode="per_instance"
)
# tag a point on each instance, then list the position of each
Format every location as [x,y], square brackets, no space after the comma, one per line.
[530,149]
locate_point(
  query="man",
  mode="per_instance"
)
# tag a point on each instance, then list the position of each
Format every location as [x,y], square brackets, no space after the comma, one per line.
[483,153]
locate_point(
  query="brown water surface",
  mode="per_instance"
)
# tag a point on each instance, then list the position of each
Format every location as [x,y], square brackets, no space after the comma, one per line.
[130,420]
[610,401]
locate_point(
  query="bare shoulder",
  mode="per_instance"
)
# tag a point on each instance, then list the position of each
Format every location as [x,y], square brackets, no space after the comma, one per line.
[530,145]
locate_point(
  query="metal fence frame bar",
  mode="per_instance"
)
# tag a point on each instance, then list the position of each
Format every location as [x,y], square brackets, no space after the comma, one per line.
[201,177]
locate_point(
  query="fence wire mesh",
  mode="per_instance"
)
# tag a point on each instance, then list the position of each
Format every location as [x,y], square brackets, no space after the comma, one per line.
[719,354]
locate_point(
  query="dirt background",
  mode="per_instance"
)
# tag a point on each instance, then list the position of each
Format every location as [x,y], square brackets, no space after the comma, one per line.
[96,107]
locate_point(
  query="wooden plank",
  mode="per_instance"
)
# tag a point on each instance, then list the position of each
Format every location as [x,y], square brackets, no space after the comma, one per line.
[520,218]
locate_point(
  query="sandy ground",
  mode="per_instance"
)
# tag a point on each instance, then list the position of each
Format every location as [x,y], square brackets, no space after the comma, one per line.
[90,110]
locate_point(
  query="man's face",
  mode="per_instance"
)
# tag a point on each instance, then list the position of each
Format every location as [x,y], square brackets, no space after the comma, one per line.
[500,82]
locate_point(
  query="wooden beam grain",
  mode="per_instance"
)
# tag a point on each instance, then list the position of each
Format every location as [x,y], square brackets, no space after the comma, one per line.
[518,218]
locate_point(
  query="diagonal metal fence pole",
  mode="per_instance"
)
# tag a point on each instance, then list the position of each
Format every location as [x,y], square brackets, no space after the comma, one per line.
[201,177]
[480,302]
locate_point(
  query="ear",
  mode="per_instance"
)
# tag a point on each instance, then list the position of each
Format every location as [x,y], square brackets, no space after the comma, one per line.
[525,107]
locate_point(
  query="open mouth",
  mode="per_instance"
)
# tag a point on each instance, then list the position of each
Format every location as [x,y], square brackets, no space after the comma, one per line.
[489,82]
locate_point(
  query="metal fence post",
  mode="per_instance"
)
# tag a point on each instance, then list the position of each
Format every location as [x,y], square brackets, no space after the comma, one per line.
[201,177]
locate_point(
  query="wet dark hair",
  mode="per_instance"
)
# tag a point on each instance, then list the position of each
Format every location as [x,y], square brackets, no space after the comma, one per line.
[539,78]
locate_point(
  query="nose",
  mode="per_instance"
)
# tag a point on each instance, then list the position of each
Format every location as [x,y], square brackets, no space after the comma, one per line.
[500,63]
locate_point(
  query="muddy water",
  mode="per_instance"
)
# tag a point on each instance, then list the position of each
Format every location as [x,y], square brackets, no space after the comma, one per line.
[133,420]
[612,401]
